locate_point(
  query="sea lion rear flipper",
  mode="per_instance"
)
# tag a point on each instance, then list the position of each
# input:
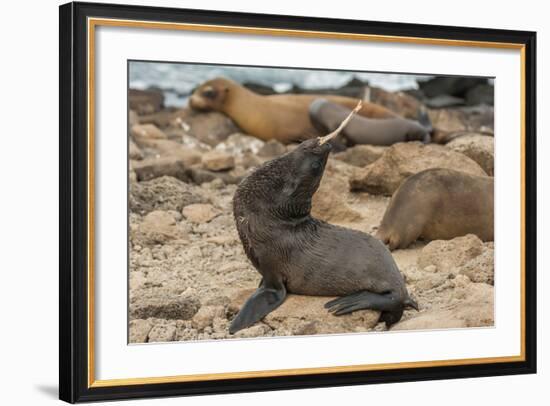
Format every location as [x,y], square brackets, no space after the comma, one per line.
[262,302]
[367,300]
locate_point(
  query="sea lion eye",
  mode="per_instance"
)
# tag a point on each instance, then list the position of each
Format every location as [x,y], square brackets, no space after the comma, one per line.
[209,92]
[315,165]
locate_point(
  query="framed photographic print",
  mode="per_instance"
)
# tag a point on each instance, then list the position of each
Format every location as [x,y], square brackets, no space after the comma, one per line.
[257,202]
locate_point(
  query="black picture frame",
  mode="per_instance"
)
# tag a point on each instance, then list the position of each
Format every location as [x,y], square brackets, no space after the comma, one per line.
[74,200]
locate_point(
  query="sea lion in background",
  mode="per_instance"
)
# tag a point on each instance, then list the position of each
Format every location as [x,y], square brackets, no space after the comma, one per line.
[439,204]
[283,117]
[326,116]
[296,253]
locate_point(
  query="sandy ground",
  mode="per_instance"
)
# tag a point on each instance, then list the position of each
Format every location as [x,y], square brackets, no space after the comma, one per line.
[189,276]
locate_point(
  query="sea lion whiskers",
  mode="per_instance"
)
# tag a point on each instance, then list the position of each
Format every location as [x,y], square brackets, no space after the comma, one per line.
[335,133]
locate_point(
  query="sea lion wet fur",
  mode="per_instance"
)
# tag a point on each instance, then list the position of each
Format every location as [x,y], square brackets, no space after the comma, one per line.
[439,204]
[297,253]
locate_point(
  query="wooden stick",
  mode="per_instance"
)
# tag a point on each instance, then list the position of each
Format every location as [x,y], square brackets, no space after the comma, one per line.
[333,134]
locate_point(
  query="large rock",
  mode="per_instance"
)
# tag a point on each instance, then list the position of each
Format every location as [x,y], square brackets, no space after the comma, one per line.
[200,212]
[257,330]
[399,102]
[470,305]
[449,256]
[166,118]
[482,267]
[339,170]
[134,151]
[145,101]
[481,118]
[454,122]
[206,315]
[146,132]
[361,155]
[151,168]
[210,128]
[238,144]
[162,331]
[272,149]
[163,307]
[139,331]
[157,227]
[330,206]
[248,160]
[200,175]
[169,148]
[305,315]
[329,202]
[164,193]
[451,85]
[405,159]
[443,101]
[218,161]
[480,148]
[133,118]
[481,94]
[422,280]
[449,120]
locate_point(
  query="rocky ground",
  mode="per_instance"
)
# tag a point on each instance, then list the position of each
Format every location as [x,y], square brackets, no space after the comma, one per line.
[188,274]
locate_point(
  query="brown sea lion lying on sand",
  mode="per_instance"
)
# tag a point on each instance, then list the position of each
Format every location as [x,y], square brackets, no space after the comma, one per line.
[439,204]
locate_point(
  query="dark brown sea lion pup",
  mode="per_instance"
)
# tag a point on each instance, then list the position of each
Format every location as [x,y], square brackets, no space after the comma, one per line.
[326,116]
[439,204]
[283,117]
[299,254]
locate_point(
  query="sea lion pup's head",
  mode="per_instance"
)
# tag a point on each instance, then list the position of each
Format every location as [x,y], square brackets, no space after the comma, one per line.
[305,165]
[284,186]
[211,95]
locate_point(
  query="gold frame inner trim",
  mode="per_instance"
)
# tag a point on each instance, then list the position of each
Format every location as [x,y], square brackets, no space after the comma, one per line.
[94,22]
[300,371]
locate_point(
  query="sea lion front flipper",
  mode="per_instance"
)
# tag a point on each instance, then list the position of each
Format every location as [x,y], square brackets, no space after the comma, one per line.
[262,302]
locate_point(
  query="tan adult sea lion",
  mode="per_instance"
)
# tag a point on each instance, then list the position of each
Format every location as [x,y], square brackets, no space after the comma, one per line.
[439,204]
[283,117]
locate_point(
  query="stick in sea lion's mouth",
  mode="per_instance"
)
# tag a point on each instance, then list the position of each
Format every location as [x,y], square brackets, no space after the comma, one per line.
[333,134]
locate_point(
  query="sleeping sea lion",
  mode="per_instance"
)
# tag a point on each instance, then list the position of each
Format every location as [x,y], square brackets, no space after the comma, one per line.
[296,253]
[326,116]
[439,204]
[283,117]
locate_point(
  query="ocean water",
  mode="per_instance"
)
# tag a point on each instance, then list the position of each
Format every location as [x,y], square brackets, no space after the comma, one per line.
[178,80]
